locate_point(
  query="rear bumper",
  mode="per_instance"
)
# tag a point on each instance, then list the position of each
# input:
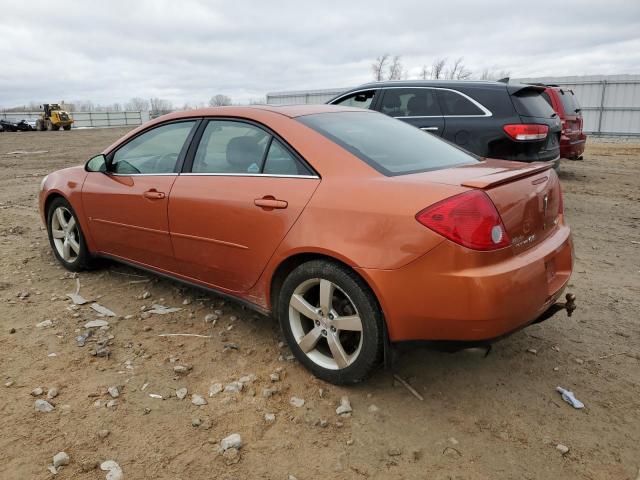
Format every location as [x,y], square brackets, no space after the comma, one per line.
[572,147]
[456,294]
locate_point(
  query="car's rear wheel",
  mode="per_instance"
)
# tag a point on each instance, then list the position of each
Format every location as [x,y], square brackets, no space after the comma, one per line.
[332,321]
[65,236]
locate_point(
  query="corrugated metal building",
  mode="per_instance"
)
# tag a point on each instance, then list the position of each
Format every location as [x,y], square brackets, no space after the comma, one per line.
[610,103]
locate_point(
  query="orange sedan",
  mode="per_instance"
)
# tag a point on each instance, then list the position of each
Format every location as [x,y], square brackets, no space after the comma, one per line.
[355,230]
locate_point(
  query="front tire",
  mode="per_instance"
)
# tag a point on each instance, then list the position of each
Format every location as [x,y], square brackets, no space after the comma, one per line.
[332,321]
[66,237]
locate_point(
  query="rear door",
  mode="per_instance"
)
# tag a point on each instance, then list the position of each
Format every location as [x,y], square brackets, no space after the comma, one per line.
[241,192]
[572,111]
[127,206]
[416,106]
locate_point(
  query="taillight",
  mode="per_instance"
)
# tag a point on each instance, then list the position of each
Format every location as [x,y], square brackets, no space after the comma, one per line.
[469,219]
[526,131]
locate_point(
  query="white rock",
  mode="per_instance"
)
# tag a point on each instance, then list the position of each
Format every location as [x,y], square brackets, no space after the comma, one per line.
[211,318]
[181,393]
[112,403]
[232,441]
[275,377]
[113,469]
[234,387]
[52,469]
[44,324]
[373,408]
[198,400]
[114,392]
[77,299]
[563,449]
[345,406]
[102,310]
[52,393]
[36,392]
[270,417]
[296,402]
[162,310]
[43,406]
[215,389]
[96,324]
[60,458]
[247,379]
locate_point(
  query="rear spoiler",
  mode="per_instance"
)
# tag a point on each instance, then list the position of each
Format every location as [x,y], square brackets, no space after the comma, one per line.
[492,180]
[516,88]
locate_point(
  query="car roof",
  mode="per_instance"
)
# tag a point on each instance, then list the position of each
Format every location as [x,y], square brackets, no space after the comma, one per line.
[432,83]
[290,111]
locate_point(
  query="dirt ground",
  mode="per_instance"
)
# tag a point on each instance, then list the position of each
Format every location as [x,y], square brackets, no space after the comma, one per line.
[493,417]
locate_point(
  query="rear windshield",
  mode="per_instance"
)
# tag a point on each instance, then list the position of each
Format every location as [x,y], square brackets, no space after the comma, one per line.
[530,103]
[569,102]
[390,146]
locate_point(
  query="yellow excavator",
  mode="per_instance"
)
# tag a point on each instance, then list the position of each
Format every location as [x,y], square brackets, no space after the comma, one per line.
[53,118]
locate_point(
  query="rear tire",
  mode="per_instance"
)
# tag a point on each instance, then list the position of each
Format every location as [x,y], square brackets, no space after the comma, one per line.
[66,237]
[332,321]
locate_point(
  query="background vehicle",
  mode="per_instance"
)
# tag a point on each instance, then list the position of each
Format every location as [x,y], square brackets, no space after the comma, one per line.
[565,103]
[352,228]
[21,126]
[491,119]
[54,118]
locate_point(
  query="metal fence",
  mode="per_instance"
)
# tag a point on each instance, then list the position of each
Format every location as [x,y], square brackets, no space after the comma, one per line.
[610,103]
[89,119]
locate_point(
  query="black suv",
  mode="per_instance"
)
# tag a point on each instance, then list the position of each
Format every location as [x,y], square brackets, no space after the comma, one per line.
[502,120]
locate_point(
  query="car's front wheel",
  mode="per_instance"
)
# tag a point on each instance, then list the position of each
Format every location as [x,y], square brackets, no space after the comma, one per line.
[332,321]
[65,236]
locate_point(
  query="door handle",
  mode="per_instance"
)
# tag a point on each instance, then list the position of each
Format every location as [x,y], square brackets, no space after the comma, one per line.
[153,194]
[429,129]
[269,202]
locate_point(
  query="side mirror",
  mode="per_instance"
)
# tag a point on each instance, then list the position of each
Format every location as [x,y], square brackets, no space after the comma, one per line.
[96,164]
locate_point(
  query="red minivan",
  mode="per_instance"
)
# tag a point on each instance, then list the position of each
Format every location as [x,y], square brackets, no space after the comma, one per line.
[565,103]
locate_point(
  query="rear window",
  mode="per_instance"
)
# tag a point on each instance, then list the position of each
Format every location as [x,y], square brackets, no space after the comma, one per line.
[390,146]
[569,102]
[530,103]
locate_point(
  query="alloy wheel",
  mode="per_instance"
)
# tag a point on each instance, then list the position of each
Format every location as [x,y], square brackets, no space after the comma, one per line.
[325,324]
[65,234]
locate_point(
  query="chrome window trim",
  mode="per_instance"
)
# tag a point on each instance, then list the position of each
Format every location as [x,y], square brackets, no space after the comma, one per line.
[270,175]
[487,112]
[142,174]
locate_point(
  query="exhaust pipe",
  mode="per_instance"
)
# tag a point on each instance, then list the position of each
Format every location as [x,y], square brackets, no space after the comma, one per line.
[569,305]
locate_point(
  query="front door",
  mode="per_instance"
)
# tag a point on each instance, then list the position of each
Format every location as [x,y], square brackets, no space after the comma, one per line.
[127,206]
[231,210]
[416,106]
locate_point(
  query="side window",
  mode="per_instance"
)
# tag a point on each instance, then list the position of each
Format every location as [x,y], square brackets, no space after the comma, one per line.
[153,152]
[360,99]
[281,162]
[453,103]
[230,147]
[410,102]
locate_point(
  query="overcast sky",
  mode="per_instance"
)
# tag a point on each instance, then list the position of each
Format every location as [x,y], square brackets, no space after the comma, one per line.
[189,50]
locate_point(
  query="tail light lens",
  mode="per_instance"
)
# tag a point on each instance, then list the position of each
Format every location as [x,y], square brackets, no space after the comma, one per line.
[469,219]
[526,131]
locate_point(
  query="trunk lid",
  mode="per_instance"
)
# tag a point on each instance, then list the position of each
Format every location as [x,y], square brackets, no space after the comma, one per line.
[527,196]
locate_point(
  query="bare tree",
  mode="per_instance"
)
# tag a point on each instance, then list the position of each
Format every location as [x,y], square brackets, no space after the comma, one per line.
[160,105]
[490,74]
[395,70]
[437,68]
[137,104]
[219,101]
[378,67]
[458,71]
[425,73]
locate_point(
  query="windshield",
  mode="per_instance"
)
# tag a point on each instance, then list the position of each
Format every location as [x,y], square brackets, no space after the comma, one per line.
[390,146]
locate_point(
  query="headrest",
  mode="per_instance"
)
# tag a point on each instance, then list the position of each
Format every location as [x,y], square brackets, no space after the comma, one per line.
[243,152]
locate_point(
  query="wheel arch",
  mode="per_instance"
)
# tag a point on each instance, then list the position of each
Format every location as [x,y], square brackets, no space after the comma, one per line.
[288,264]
